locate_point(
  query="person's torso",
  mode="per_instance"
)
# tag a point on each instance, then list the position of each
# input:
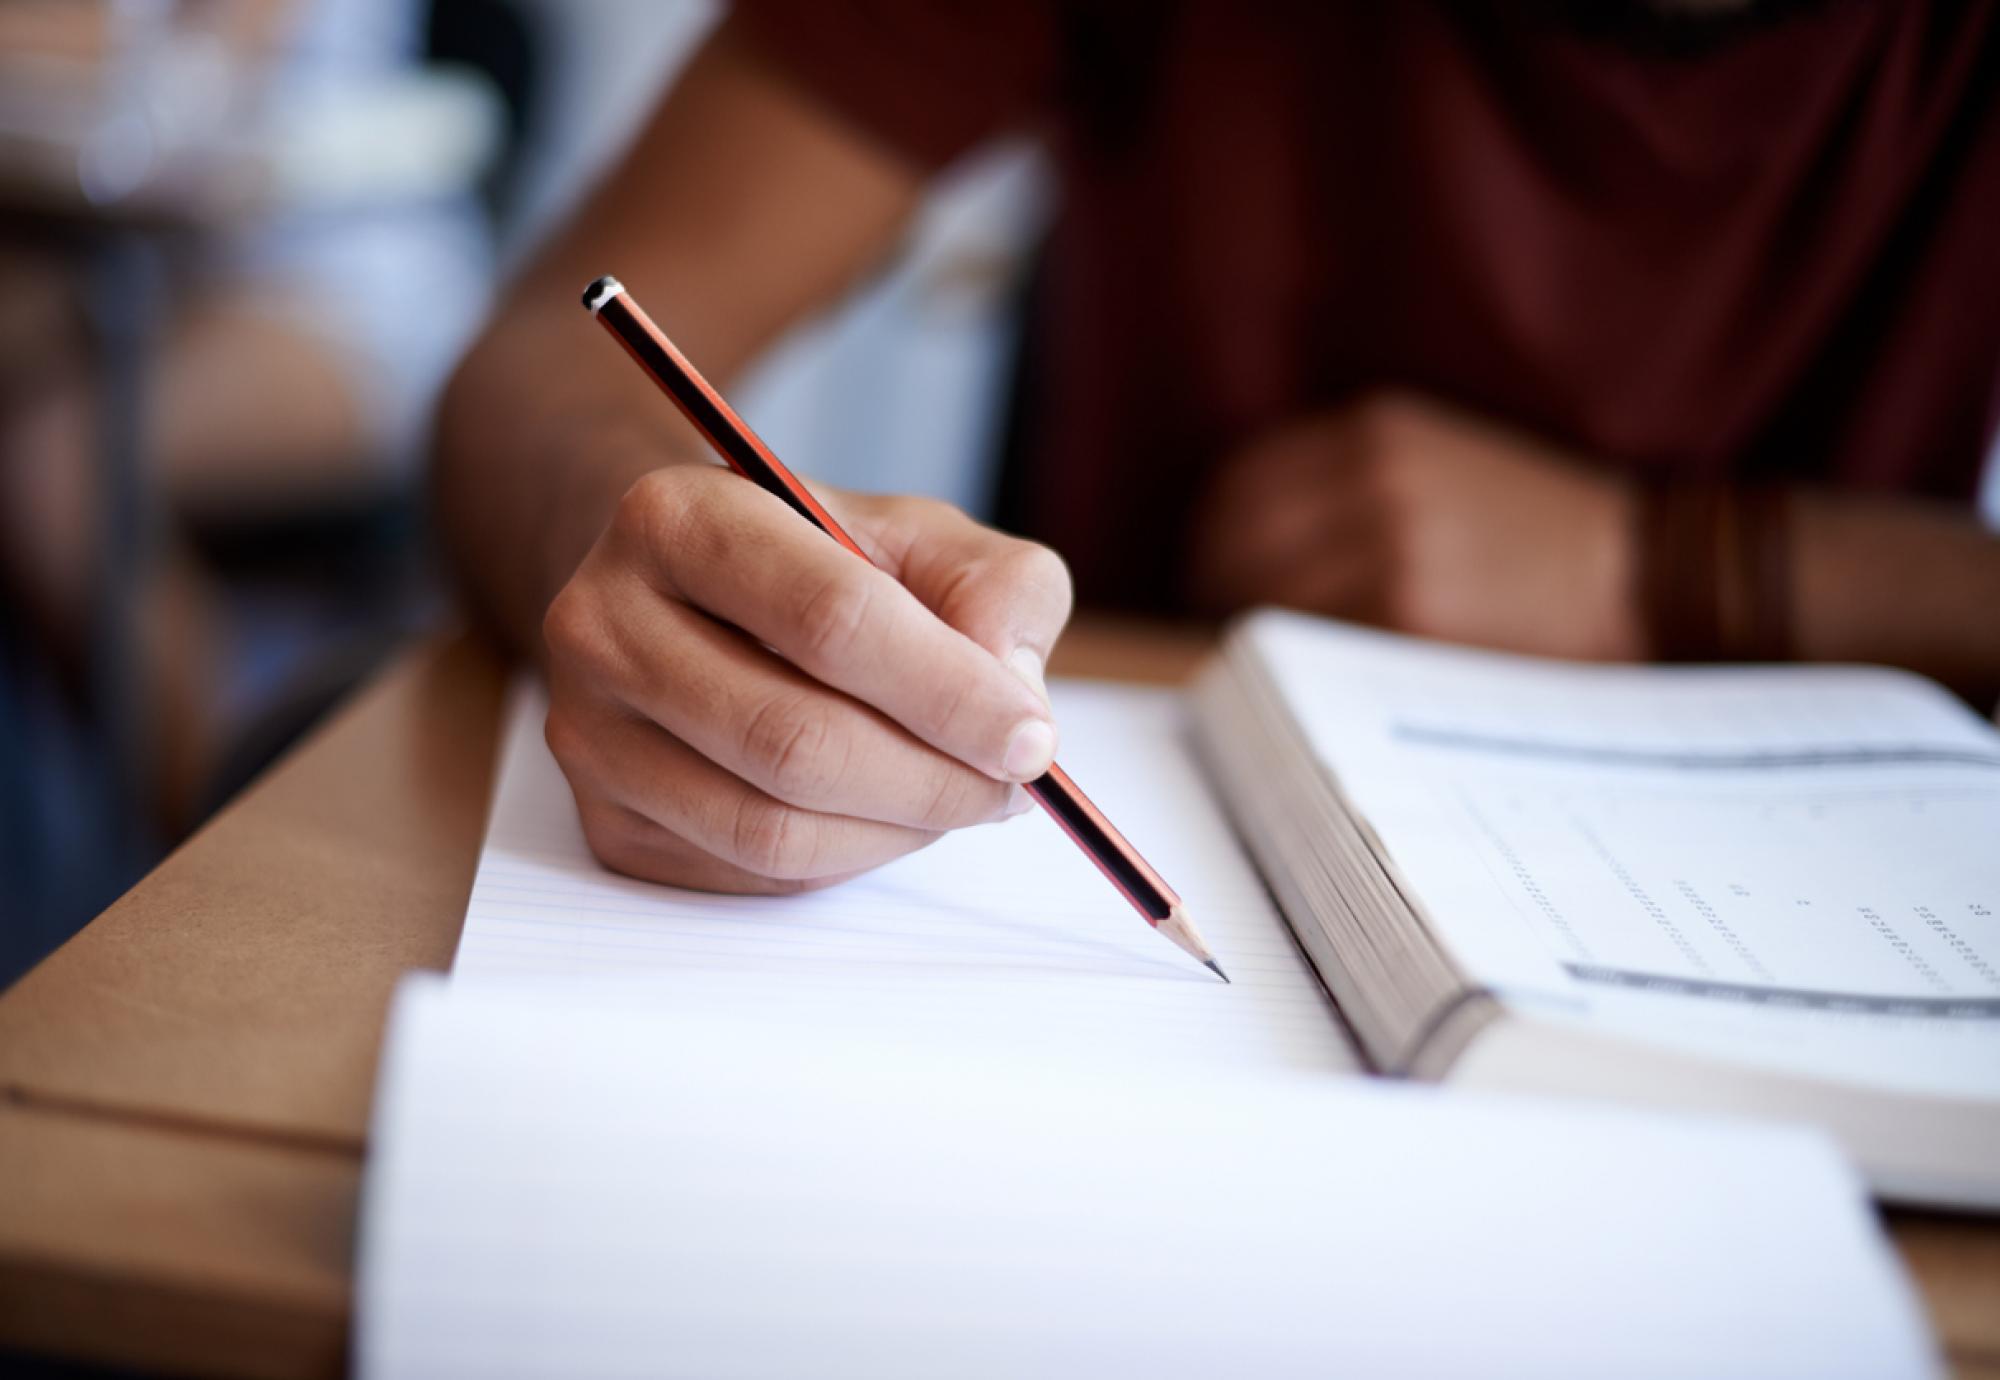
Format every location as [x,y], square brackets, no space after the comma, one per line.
[1773,254]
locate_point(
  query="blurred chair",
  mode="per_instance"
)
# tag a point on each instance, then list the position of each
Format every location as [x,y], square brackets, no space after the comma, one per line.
[292,168]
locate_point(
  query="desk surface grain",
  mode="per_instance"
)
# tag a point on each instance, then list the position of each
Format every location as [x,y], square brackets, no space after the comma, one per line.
[187,1082]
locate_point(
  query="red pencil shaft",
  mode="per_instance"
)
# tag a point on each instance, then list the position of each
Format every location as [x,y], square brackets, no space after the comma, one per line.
[1059,795]
[742,449]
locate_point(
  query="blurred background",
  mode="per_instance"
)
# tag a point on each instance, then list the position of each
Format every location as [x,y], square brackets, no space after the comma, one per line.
[241,245]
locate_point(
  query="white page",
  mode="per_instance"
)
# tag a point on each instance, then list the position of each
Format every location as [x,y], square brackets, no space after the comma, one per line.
[700,1188]
[1794,866]
[1004,929]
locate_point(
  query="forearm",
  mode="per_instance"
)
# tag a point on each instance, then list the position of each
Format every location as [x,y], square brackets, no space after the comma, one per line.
[740,211]
[1898,581]
[536,441]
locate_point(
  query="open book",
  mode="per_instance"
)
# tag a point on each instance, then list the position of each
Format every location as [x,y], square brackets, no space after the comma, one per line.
[1766,890]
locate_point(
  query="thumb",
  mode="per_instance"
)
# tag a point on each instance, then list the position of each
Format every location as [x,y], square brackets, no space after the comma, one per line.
[1010,596]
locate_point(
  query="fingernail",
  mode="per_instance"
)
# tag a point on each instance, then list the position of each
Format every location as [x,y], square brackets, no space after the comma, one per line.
[1026,663]
[1019,802]
[1030,749]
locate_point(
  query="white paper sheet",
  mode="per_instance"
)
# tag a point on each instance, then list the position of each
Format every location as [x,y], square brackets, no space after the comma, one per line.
[700,1188]
[1004,930]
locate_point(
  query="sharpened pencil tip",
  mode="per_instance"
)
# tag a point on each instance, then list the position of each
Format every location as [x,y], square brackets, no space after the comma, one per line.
[1179,927]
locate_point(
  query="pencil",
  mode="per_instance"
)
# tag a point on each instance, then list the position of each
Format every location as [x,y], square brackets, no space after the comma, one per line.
[741,449]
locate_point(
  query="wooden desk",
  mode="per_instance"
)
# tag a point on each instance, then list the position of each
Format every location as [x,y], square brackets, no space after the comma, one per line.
[187,1082]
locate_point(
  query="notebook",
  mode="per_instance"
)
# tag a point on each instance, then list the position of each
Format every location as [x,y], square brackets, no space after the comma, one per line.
[966,1115]
[1770,890]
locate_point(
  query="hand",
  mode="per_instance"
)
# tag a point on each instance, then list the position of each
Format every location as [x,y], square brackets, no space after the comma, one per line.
[1406,513]
[741,705]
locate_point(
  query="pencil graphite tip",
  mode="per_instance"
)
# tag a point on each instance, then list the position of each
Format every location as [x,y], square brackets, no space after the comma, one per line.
[1179,927]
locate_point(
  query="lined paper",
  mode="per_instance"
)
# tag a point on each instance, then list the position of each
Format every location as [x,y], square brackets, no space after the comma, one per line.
[1004,929]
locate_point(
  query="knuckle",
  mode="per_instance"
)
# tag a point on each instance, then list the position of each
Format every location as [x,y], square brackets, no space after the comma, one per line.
[945,710]
[570,628]
[772,839]
[616,841]
[565,740]
[1038,568]
[650,494]
[606,844]
[916,510]
[958,797]
[897,508]
[829,619]
[659,508]
[790,745]
[1013,590]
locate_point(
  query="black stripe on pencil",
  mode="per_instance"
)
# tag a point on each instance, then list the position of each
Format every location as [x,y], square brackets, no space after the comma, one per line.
[740,447]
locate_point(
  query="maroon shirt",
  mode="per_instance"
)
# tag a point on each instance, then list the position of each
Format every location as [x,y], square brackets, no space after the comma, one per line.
[1771,253]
